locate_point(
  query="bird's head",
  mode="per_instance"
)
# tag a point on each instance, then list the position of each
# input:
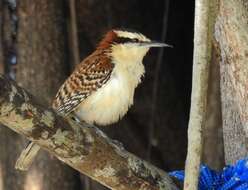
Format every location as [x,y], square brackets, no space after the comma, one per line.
[127,45]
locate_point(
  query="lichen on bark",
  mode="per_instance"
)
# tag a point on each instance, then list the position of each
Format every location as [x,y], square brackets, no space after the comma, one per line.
[83,147]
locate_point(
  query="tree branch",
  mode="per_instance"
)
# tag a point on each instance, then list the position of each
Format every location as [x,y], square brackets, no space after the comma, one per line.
[203,32]
[83,147]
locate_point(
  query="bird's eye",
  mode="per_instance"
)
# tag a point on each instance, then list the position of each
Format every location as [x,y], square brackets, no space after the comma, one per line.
[135,40]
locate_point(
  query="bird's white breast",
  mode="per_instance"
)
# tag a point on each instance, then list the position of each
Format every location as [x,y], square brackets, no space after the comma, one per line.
[111,102]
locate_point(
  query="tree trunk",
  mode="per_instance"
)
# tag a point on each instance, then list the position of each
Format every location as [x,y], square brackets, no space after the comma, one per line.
[42,68]
[235,144]
[10,178]
[231,33]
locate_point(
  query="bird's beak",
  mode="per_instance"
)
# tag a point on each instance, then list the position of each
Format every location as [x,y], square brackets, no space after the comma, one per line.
[154,44]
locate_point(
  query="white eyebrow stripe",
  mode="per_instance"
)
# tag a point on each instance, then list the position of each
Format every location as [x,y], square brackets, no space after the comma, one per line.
[132,35]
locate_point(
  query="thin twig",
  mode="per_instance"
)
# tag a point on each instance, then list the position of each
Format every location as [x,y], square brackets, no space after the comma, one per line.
[74,32]
[156,81]
[202,52]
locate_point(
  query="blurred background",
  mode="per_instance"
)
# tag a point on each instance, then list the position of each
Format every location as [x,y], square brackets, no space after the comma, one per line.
[42,41]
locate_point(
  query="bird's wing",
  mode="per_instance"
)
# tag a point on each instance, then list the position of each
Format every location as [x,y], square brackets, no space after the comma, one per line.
[90,75]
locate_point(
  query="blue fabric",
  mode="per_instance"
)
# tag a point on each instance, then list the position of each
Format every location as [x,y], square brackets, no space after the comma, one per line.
[230,178]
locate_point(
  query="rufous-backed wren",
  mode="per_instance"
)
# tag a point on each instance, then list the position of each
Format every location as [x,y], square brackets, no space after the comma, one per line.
[101,88]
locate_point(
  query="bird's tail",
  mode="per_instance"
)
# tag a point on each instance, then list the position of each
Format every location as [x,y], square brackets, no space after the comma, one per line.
[27,156]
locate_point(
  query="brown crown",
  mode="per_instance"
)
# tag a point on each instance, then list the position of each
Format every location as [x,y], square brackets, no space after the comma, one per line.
[108,39]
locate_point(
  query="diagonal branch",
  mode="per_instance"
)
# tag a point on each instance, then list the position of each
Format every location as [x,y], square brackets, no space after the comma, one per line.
[81,146]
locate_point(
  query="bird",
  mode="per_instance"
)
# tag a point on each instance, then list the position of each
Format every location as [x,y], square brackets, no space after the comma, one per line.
[101,88]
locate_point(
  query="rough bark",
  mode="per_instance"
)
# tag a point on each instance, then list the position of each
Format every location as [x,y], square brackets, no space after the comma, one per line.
[231,33]
[41,67]
[81,146]
[235,144]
